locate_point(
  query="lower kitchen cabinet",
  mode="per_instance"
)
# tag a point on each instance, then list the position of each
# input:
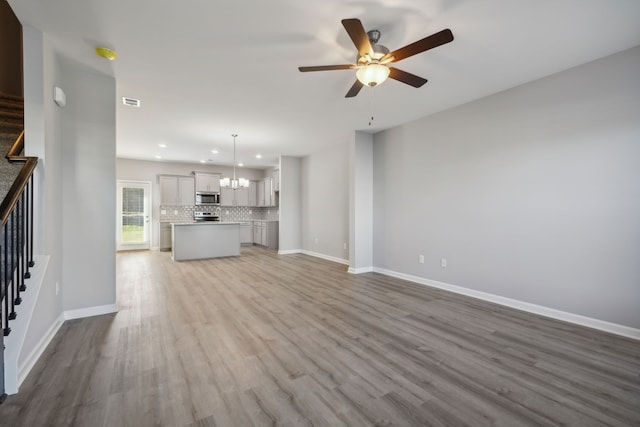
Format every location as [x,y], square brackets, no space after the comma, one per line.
[265,233]
[165,236]
[246,233]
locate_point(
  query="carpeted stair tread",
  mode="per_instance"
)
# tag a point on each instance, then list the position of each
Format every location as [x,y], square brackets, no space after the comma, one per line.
[11,124]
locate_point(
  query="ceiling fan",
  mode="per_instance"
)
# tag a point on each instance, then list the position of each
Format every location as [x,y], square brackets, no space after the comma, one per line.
[372,60]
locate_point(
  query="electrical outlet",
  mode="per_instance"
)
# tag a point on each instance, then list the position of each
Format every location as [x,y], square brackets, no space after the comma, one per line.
[345,246]
[316,240]
[163,211]
[443,262]
[421,259]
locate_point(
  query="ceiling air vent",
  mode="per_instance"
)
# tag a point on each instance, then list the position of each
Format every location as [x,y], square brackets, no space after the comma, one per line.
[131,102]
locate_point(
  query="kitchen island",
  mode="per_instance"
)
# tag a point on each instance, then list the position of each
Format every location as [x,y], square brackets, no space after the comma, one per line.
[207,239]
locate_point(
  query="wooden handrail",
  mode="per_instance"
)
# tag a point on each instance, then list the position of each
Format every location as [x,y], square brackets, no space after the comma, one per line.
[22,179]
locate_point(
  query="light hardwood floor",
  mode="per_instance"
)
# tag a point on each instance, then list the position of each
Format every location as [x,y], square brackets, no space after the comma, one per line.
[293,340]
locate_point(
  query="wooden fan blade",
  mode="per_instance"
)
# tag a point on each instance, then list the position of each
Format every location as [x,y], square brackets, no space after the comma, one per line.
[404,77]
[434,40]
[354,89]
[358,36]
[327,67]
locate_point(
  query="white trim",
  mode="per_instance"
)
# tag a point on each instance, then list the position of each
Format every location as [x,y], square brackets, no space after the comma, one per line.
[327,257]
[29,362]
[577,319]
[90,311]
[290,252]
[20,326]
[360,270]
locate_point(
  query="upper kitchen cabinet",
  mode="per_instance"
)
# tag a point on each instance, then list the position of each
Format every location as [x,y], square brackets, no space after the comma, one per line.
[237,197]
[177,190]
[268,192]
[208,182]
[252,194]
[275,177]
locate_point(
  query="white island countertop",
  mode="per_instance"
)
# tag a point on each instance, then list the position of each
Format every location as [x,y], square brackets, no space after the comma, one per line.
[204,239]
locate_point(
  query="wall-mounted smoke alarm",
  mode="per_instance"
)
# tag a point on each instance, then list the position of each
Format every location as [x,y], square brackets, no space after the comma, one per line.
[59,97]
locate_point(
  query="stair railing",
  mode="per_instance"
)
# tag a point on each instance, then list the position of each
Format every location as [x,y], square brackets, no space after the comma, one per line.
[16,243]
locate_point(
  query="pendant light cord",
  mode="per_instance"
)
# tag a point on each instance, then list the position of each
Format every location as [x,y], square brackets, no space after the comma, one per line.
[234,135]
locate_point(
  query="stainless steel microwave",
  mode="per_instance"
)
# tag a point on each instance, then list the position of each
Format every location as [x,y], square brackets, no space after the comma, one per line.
[204,198]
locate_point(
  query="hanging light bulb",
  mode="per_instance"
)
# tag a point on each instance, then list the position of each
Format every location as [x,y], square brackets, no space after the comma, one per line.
[235,183]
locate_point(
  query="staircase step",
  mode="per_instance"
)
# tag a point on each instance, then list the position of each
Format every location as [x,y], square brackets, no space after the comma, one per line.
[12,115]
[11,105]
[11,102]
[7,126]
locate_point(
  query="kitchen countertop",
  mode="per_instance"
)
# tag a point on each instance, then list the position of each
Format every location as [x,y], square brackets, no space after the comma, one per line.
[240,221]
[207,223]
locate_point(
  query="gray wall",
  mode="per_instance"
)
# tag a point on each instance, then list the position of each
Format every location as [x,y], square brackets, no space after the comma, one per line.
[361,203]
[41,72]
[88,187]
[325,201]
[531,194]
[290,229]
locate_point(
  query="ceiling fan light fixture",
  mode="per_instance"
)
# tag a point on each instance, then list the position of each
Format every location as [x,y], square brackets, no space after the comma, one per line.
[373,74]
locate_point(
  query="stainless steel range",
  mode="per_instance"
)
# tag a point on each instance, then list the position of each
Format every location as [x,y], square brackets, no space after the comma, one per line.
[210,215]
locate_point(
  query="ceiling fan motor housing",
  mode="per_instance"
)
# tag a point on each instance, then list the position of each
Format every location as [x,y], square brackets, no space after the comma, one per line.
[378,50]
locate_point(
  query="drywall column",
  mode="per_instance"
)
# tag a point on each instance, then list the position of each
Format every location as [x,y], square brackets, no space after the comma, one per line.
[290,239]
[361,203]
[88,191]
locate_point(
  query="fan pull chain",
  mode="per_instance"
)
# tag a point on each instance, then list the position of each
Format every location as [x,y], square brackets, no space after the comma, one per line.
[371,104]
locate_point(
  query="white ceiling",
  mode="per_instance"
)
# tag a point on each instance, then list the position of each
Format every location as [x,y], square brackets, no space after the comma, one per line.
[207,69]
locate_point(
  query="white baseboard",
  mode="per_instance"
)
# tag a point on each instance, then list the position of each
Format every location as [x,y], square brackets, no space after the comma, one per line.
[290,252]
[360,270]
[29,362]
[577,319]
[327,257]
[90,311]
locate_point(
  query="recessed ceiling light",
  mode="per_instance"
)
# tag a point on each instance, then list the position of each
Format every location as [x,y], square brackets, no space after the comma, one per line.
[240,164]
[162,145]
[203,161]
[214,151]
[258,156]
[158,156]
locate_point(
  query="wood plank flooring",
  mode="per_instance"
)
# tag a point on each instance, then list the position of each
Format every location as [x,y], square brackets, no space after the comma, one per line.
[293,340]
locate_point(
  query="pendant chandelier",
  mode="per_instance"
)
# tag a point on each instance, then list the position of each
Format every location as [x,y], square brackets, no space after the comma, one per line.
[235,182]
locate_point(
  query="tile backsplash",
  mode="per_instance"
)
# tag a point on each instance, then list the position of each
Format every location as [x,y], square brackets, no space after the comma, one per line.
[228,213]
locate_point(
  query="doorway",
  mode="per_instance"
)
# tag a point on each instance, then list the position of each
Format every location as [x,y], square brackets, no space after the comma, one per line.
[133,215]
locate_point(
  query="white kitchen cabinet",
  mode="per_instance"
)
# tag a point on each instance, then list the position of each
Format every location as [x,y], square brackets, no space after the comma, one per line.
[265,233]
[268,191]
[260,193]
[207,182]
[246,233]
[252,194]
[257,233]
[227,198]
[177,190]
[165,236]
[237,197]
[275,176]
